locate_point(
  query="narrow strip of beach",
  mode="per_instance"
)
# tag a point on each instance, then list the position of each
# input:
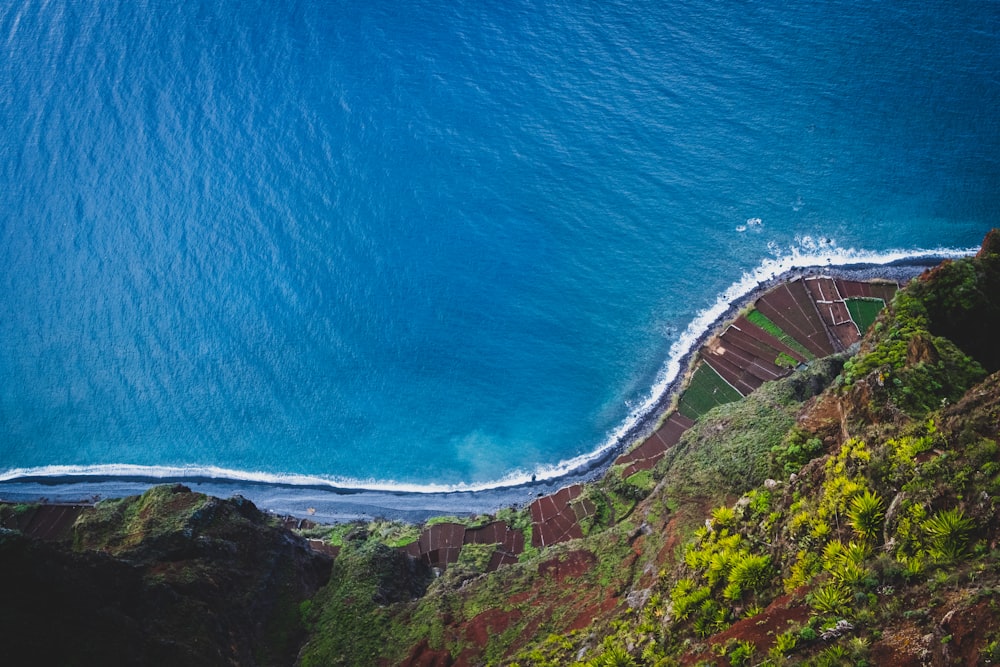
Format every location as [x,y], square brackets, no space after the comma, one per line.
[328,504]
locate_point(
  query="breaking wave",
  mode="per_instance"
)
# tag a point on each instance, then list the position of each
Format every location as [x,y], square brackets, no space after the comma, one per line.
[808,254]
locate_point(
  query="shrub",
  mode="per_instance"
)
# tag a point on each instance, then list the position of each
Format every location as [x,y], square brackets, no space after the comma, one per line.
[723,517]
[793,453]
[865,514]
[785,642]
[830,599]
[751,572]
[948,533]
[742,654]
[806,566]
[613,656]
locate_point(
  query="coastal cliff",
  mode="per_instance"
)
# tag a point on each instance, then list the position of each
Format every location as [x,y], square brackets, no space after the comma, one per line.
[171,577]
[842,511]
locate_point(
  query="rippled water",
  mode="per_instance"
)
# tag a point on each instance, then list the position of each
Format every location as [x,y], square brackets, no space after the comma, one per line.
[439,242]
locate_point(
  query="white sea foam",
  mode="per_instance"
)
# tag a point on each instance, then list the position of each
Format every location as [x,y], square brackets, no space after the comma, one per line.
[809,253]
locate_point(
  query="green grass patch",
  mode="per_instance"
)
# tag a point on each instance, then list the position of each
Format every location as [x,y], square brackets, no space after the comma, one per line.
[337,534]
[395,533]
[706,390]
[642,480]
[785,361]
[864,311]
[470,521]
[729,452]
[765,323]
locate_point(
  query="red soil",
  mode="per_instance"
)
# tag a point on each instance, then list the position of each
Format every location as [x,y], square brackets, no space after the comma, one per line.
[52,523]
[761,630]
[555,519]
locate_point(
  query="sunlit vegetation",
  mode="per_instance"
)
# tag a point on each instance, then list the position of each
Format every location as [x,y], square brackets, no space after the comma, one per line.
[706,390]
[765,323]
[864,311]
[881,516]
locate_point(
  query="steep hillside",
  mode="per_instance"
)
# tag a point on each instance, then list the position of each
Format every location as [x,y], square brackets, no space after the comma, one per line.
[169,577]
[843,514]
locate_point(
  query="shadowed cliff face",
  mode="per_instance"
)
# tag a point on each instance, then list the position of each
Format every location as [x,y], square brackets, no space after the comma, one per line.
[939,339]
[171,577]
[963,302]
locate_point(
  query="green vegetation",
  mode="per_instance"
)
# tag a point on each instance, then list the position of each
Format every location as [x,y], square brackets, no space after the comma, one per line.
[347,626]
[785,361]
[765,323]
[120,524]
[948,535]
[795,450]
[864,311]
[729,451]
[916,369]
[865,514]
[877,525]
[642,481]
[705,391]
[842,514]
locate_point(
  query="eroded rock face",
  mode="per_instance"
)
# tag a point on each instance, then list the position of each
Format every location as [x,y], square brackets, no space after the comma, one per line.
[171,577]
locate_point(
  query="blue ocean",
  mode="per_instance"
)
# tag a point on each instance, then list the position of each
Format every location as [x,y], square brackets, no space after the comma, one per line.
[441,244]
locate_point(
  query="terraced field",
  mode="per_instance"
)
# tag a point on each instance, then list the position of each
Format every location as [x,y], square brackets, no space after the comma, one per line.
[864,311]
[706,390]
[791,325]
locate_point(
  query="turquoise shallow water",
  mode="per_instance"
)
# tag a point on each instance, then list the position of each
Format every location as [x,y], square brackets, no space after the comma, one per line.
[440,243]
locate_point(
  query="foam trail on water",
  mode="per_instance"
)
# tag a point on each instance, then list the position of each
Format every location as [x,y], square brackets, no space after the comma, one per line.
[809,254]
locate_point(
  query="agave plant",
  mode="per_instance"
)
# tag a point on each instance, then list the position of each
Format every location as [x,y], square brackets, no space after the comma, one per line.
[723,516]
[751,572]
[948,533]
[830,599]
[614,656]
[865,513]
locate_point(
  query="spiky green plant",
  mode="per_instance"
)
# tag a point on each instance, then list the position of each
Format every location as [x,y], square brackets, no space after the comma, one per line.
[742,654]
[613,656]
[686,598]
[948,534]
[786,642]
[723,516]
[830,599]
[711,618]
[732,591]
[833,656]
[751,572]
[865,513]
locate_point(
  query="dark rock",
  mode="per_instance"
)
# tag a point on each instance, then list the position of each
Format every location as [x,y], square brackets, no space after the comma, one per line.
[221,587]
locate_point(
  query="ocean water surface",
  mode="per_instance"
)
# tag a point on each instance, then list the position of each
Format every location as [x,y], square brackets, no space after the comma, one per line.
[440,244]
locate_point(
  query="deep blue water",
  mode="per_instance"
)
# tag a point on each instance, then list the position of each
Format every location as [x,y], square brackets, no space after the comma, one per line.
[439,241]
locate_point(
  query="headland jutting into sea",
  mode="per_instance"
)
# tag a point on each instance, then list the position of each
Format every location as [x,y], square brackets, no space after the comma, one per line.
[334,500]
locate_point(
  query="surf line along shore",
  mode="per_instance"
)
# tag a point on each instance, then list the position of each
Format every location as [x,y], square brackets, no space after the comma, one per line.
[327,503]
